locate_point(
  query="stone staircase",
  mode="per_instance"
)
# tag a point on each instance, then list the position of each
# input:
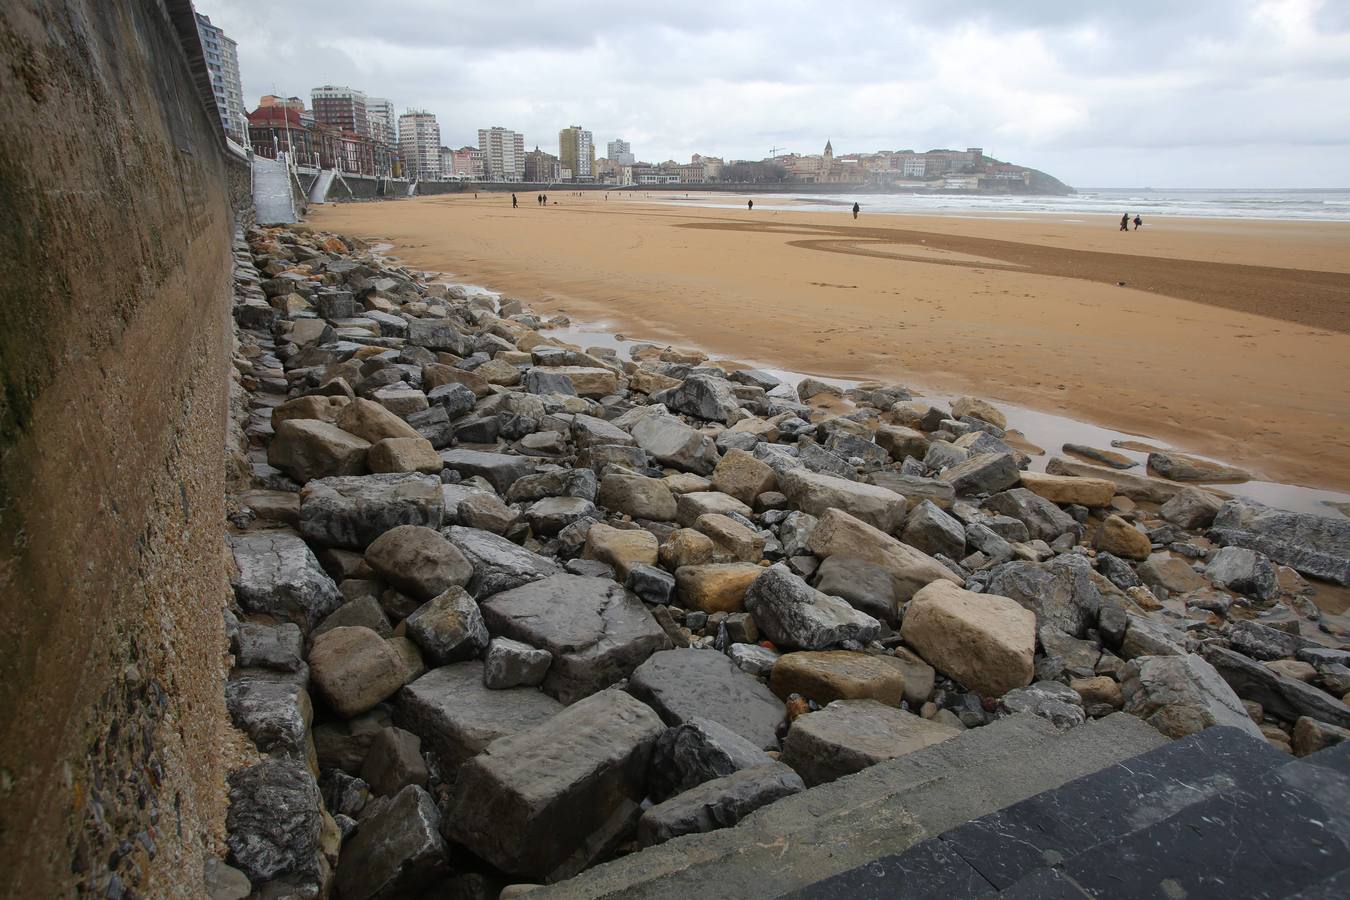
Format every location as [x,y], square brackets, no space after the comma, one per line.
[323,183]
[1218,814]
[273,201]
[1109,809]
[879,812]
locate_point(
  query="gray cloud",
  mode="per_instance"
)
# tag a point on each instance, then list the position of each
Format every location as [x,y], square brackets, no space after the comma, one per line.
[1205,93]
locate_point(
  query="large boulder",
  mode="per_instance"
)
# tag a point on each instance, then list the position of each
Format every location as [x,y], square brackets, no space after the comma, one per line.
[352,511]
[719,803]
[372,422]
[398,850]
[597,631]
[1191,508]
[1317,546]
[418,561]
[983,473]
[353,668]
[1136,487]
[544,803]
[796,616]
[272,708]
[509,664]
[984,641]
[1043,519]
[457,715]
[500,469]
[438,334]
[933,531]
[586,381]
[866,586]
[980,409]
[742,476]
[1180,467]
[1244,571]
[621,548]
[498,564]
[1090,492]
[1061,593]
[277,575]
[670,441]
[310,448]
[703,397]
[732,541]
[448,628]
[815,493]
[716,587]
[847,736]
[414,454]
[1180,695]
[1120,538]
[274,823]
[637,496]
[829,675]
[682,685]
[699,750]
[838,533]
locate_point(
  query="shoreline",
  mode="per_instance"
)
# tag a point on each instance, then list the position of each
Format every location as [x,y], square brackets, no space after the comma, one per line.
[685,309]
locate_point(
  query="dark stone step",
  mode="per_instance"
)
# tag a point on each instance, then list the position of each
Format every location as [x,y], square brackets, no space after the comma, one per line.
[1050,828]
[1000,849]
[1286,832]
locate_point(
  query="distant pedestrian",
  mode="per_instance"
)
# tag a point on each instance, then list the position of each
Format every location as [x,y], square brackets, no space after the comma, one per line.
[856,210]
[1125,222]
[546,199]
[1137,222]
[475,195]
[750,205]
[514,204]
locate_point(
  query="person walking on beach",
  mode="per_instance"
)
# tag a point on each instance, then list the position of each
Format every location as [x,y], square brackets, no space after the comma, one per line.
[1125,222]
[750,205]
[856,209]
[513,201]
[1137,221]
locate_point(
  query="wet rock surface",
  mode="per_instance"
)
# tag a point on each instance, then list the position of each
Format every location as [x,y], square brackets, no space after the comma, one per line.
[525,605]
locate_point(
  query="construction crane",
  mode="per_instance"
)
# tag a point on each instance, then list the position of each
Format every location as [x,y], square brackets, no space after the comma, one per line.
[773,151]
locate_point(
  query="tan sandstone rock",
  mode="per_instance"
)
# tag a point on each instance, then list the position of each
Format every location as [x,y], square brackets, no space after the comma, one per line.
[984,641]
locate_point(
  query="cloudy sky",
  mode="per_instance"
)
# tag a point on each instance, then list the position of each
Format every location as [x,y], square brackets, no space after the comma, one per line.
[1162,93]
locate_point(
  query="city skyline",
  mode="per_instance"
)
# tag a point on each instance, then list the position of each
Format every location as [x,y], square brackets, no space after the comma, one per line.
[1212,94]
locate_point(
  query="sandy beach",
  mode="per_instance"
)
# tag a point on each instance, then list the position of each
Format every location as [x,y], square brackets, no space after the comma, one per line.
[1225,337]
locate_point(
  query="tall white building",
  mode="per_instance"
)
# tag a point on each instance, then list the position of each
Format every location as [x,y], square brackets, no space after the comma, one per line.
[620,151]
[222,61]
[419,142]
[383,120]
[503,153]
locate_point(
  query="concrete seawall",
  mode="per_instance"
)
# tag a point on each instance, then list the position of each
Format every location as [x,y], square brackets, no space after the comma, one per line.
[115,294]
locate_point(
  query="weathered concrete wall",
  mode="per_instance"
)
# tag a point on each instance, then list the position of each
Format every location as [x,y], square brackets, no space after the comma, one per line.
[114,299]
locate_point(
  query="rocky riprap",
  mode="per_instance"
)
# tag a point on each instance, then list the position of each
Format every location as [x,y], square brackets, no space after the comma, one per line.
[506,607]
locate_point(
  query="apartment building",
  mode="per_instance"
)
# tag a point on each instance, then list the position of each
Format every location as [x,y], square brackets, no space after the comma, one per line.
[222,62]
[419,143]
[576,151]
[341,107]
[620,151]
[503,153]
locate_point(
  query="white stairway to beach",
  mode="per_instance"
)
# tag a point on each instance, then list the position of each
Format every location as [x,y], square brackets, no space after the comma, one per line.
[272,197]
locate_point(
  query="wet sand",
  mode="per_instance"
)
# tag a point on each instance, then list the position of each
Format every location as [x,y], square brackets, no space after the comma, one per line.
[1228,338]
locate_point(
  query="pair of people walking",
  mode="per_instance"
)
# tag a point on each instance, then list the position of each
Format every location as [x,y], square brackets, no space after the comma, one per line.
[1125,222]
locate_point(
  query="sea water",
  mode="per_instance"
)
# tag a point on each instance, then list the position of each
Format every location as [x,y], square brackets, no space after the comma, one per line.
[1308,205]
